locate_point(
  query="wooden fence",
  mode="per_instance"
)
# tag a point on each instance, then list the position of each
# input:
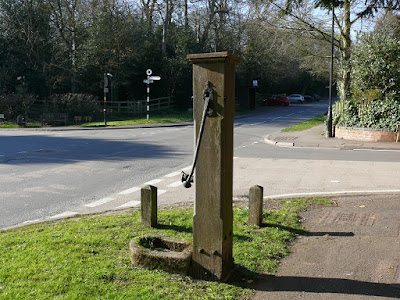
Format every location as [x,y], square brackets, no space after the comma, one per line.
[140,106]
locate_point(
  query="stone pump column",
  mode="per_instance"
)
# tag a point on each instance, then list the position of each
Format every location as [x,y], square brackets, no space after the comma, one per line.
[213,214]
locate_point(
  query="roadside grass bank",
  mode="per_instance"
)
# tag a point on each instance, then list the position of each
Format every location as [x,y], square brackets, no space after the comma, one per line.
[87,257]
[169,116]
[13,125]
[317,120]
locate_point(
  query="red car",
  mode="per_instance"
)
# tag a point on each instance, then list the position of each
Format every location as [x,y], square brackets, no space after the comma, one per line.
[277,100]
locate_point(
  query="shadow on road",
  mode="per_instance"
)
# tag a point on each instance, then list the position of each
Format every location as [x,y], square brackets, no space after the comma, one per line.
[19,150]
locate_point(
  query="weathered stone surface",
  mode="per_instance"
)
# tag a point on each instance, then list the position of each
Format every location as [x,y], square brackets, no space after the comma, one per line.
[256,194]
[162,253]
[213,218]
[149,205]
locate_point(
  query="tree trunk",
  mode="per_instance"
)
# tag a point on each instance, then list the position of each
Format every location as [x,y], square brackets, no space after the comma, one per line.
[165,29]
[345,53]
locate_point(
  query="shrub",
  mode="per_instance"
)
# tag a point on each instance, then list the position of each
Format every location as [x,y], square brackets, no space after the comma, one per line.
[376,64]
[13,105]
[375,84]
[384,113]
[348,116]
[73,104]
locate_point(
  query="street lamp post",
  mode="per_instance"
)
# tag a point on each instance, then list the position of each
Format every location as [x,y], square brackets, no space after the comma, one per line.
[329,129]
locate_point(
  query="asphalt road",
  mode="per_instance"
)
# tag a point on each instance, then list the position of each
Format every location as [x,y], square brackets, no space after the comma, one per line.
[48,174]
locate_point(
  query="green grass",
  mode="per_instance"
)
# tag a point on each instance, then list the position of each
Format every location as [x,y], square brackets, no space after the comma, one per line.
[88,257]
[13,125]
[175,117]
[307,124]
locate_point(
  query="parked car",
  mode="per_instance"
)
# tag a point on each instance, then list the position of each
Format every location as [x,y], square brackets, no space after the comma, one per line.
[308,98]
[296,98]
[277,100]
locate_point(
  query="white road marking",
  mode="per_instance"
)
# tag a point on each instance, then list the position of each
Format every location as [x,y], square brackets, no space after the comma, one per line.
[99,202]
[175,184]
[129,204]
[173,174]
[21,152]
[129,191]
[335,181]
[64,215]
[155,181]
[160,192]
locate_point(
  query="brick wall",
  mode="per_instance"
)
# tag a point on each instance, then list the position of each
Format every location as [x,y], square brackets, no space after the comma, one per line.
[365,134]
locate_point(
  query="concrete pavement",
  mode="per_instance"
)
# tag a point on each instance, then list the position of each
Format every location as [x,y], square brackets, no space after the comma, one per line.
[352,250]
[314,138]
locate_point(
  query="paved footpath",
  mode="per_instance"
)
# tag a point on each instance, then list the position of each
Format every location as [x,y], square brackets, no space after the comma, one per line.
[352,250]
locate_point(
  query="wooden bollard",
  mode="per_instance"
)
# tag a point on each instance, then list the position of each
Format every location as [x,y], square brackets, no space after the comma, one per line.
[256,205]
[148,205]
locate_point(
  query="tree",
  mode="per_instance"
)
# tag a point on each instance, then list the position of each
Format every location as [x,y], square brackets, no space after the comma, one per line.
[68,18]
[25,44]
[376,62]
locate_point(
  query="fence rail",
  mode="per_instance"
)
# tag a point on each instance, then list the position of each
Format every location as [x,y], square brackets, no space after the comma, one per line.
[140,106]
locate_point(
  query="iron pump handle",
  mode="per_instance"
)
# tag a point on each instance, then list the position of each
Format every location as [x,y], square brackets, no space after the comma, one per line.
[187,179]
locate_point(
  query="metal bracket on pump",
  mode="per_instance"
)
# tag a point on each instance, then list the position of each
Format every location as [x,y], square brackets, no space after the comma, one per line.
[187,179]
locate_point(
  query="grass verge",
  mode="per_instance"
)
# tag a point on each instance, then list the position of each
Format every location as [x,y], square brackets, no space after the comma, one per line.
[317,120]
[176,117]
[13,125]
[169,116]
[88,257]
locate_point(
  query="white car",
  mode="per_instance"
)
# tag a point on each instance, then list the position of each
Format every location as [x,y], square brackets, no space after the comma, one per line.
[296,98]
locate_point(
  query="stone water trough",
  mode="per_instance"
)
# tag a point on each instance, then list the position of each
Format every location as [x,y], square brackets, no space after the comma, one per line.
[154,252]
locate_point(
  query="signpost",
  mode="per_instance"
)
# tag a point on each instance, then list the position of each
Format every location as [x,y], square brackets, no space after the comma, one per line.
[150,79]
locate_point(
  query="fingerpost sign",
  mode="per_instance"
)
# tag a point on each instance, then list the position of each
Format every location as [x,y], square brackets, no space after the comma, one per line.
[148,80]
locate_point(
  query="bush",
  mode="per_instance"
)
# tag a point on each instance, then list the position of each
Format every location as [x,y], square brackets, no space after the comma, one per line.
[376,64]
[375,84]
[384,114]
[74,104]
[13,105]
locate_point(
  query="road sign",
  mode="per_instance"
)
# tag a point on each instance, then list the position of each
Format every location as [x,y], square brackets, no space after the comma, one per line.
[149,72]
[148,81]
[154,77]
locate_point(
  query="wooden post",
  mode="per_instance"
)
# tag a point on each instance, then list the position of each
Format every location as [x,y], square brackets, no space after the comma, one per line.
[213,215]
[255,205]
[149,205]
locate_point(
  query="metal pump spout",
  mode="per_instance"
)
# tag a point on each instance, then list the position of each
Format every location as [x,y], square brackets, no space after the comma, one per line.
[187,179]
